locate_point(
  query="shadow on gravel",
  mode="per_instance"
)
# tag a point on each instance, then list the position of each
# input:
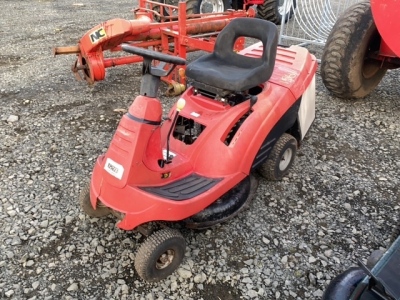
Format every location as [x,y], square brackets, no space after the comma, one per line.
[219,291]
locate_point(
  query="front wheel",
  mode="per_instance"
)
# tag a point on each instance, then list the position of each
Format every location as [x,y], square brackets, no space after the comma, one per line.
[346,69]
[160,255]
[280,159]
[276,11]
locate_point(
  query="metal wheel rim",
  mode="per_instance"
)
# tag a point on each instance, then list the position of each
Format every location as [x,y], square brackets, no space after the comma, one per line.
[285,159]
[369,69]
[285,6]
[165,259]
[211,6]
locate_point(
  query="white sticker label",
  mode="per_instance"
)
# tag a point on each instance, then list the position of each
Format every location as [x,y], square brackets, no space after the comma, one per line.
[195,114]
[114,169]
[171,154]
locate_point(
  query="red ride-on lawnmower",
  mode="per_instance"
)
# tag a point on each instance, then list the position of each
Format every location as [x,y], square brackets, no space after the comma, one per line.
[362,46]
[244,112]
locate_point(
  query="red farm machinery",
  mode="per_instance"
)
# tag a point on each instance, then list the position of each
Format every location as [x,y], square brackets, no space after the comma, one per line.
[173,30]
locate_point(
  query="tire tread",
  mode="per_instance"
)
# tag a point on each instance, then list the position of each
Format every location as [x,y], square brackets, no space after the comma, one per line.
[337,62]
[145,251]
[268,168]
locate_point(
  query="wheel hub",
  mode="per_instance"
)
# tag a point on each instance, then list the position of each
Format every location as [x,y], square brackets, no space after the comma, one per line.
[285,160]
[369,69]
[165,259]
[211,6]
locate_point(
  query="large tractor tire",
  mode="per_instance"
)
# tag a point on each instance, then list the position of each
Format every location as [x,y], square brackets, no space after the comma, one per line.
[200,6]
[276,11]
[206,6]
[346,70]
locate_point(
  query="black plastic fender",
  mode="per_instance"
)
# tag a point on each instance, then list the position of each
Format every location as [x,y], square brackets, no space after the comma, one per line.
[343,285]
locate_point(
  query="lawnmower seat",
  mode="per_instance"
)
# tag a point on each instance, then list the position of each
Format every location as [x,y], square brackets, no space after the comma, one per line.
[225,71]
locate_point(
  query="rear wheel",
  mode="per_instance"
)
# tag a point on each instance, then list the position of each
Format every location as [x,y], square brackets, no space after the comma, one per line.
[206,6]
[86,205]
[280,159]
[167,12]
[276,11]
[199,6]
[160,254]
[346,69]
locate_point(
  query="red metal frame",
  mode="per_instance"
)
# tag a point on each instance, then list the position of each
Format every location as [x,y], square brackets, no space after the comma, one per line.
[175,35]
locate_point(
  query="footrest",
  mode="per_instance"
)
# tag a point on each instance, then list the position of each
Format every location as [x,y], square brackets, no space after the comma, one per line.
[185,188]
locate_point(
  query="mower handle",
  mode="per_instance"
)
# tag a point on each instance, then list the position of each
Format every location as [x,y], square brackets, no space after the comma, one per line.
[154,55]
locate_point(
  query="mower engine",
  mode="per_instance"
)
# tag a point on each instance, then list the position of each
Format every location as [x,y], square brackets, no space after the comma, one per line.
[187,130]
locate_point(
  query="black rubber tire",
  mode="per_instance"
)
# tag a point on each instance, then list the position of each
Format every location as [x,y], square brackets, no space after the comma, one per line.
[237,4]
[147,262]
[342,286]
[344,70]
[193,6]
[269,11]
[166,12]
[86,206]
[271,168]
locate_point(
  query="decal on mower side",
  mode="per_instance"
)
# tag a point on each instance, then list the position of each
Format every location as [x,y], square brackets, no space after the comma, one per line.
[114,168]
[171,154]
[97,35]
[289,77]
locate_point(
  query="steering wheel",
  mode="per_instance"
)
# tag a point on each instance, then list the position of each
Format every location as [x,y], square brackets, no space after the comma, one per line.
[154,55]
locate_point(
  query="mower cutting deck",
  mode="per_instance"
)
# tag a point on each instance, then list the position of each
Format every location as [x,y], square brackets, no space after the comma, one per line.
[244,112]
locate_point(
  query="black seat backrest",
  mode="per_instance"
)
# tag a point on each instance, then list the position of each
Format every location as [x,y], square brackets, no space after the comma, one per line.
[259,29]
[226,70]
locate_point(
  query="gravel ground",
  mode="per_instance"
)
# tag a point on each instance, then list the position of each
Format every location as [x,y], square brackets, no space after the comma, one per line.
[339,202]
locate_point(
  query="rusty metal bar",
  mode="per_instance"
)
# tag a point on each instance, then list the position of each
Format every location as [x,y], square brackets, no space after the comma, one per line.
[118,61]
[66,50]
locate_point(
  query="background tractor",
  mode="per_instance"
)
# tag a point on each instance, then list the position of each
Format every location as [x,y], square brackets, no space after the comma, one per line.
[362,46]
[271,10]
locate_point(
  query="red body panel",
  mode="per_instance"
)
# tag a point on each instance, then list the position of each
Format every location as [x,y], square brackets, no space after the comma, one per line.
[386,17]
[136,146]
